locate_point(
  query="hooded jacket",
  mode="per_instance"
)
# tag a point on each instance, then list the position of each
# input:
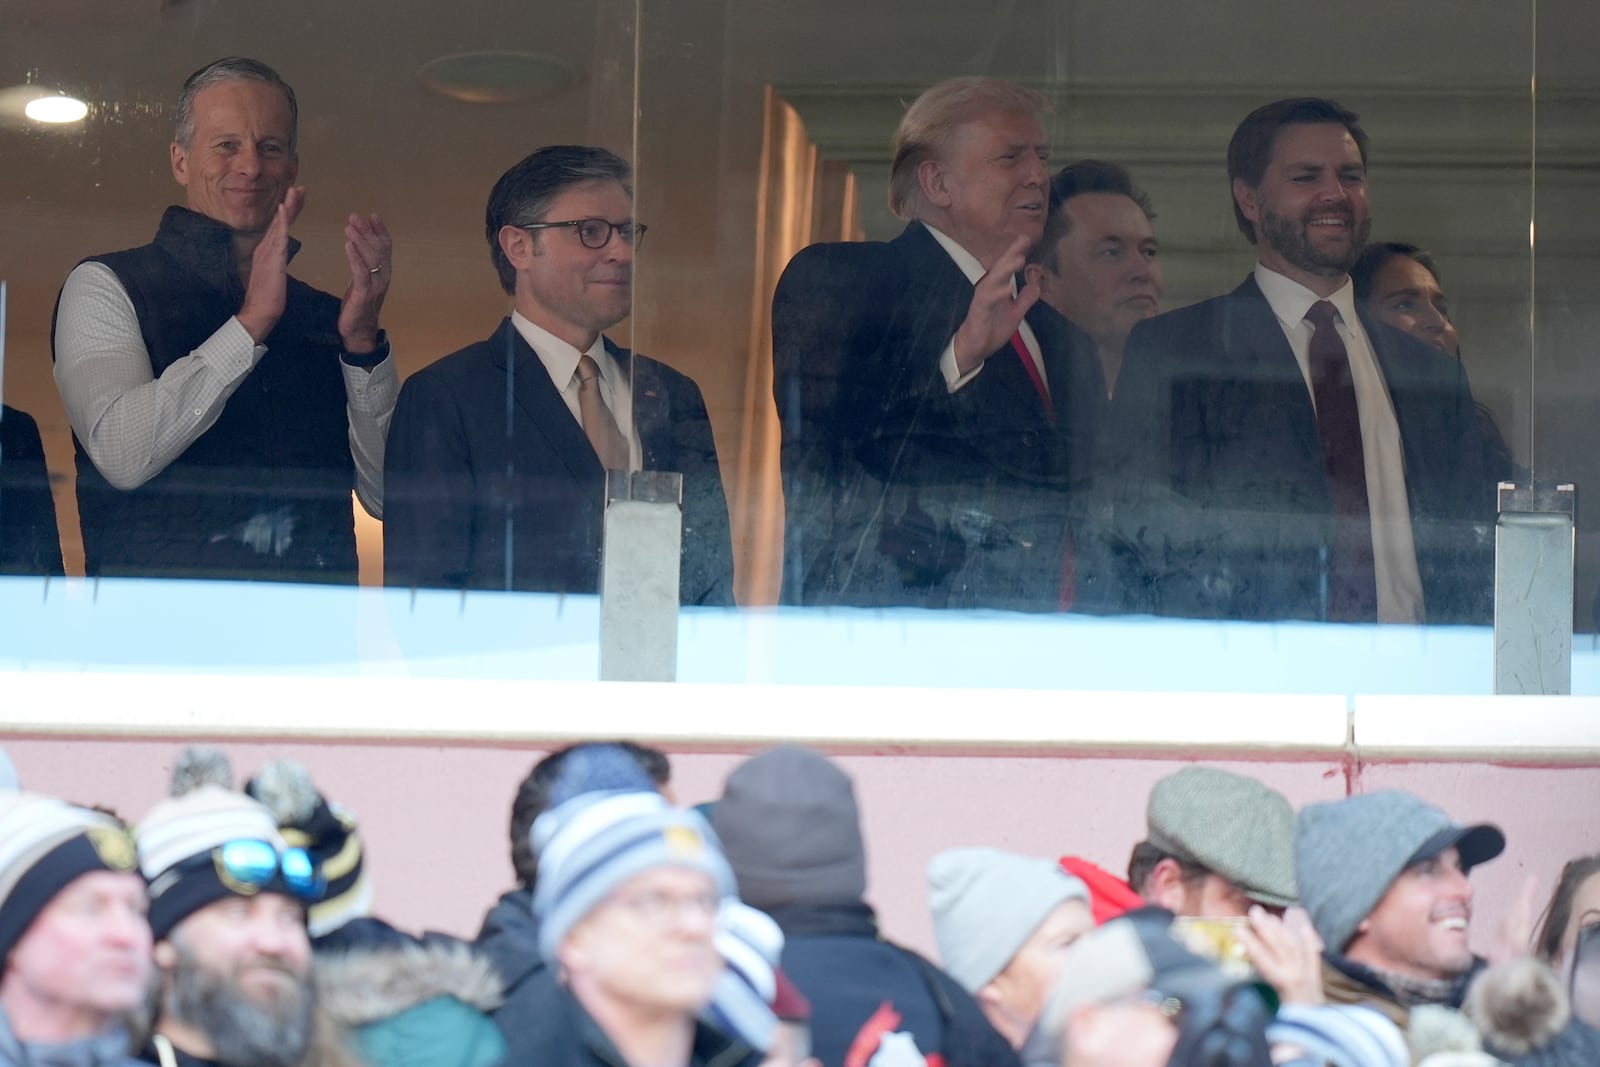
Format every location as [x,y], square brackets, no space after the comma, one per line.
[836,957]
[424,1004]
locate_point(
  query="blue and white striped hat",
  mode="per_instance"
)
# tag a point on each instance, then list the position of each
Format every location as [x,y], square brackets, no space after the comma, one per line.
[592,841]
[1344,1035]
[751,945]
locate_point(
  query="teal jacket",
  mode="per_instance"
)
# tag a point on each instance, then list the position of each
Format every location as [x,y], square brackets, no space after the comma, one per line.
[416,1005]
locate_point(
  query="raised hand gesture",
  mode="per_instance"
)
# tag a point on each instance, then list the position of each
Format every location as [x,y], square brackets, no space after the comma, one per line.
[994,314]
[371,255]
[268,288]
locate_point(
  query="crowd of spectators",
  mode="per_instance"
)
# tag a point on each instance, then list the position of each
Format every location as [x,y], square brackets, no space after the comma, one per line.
[233,926]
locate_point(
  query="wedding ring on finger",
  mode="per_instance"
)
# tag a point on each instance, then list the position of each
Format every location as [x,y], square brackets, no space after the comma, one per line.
[376,269]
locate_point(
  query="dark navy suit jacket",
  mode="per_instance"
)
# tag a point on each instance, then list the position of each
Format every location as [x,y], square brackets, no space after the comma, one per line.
[1223,507]
[897,491]
[490,483]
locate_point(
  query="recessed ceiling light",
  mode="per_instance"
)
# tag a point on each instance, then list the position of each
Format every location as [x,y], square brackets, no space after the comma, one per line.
[56,109]
[498,77]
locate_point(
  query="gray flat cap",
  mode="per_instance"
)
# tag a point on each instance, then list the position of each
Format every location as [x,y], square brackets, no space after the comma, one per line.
[1232,825]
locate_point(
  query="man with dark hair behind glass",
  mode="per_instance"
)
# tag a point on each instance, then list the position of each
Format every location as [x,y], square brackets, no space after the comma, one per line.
[223,410]
[937,421]
[498,453]
[1097,261]
[1279,453]
[1399,284]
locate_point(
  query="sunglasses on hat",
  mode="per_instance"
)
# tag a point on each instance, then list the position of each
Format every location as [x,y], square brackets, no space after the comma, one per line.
[248,867]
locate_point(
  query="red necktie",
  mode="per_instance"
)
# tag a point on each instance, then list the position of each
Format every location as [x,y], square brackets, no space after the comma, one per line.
[1033,373]
[1352,584]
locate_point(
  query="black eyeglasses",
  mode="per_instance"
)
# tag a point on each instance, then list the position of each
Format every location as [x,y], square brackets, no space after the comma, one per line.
[596,233]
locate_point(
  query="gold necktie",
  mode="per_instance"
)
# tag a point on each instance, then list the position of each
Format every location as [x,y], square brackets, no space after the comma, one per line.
[598,425]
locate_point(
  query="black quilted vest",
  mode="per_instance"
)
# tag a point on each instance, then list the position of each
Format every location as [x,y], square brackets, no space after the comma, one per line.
[265,492]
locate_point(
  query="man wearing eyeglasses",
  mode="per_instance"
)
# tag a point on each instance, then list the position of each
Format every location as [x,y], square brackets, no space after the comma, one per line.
[228,910]
[627,904]
[74,943]
[498,453]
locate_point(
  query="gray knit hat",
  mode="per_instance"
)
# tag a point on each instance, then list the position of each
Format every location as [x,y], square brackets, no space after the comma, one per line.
[1348,852]
[790,828]
[987,903]
[1234,826]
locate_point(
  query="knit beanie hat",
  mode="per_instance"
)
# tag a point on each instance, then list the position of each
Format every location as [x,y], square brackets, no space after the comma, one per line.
[1348,852]
[1109,896]
[44,845]
[1340,1035]
[742,1002]
[329,835]
[591,840]
[1234,826]
[182,828]
[987,903]
[789,824]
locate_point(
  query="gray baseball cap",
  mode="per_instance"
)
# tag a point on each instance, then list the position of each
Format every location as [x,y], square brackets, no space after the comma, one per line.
[1348,852]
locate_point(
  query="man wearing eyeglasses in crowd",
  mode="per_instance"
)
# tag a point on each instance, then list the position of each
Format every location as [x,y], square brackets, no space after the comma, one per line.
[627,903]
[498,453]
[228,912]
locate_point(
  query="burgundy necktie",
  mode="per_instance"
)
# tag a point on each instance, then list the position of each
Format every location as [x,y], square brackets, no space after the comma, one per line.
[1352,585]
[1034,376]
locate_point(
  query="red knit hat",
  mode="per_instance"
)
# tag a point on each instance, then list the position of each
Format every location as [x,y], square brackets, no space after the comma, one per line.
[1109,896]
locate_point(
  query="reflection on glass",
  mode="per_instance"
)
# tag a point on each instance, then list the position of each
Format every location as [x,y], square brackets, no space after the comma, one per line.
[765,128]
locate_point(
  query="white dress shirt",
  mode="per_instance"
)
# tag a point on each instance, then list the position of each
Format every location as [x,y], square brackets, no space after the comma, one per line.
[953,378]
[133,424]
[1394,555]
[561,362]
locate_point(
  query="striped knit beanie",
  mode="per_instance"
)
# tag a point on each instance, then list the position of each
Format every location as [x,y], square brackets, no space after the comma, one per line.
[45,844]
[750,943]
[607,824]
[179,830]
[1341,1035]
[327,832]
